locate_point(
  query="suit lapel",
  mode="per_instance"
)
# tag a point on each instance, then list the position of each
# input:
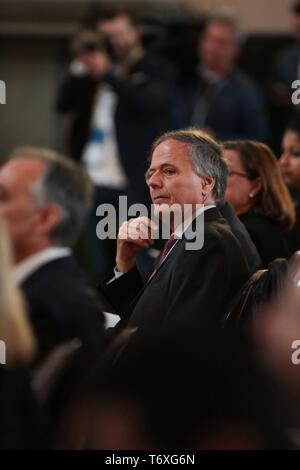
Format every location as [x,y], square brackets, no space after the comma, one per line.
[211,214]
[150,279]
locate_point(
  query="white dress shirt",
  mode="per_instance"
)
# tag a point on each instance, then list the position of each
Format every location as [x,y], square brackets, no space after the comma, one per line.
[21,271]
[101,155]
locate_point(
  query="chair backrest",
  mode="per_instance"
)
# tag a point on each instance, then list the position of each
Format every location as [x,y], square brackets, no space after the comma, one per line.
[262,286]
[45,377]
[243,304]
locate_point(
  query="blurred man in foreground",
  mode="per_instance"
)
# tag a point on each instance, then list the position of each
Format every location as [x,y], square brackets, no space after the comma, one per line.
[44,199]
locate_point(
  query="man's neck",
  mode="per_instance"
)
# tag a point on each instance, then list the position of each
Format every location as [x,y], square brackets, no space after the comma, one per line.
[23,253]
[214,70]
[190,215]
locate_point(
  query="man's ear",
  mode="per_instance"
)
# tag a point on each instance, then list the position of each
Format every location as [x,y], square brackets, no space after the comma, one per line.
[48,219]
[208,184]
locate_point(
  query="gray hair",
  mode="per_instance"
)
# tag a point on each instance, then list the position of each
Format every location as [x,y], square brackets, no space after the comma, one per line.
[206,155]
[64,183]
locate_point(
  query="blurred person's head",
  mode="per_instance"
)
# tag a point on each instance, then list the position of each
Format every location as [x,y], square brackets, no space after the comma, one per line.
[44,199]
[172,391]
[295,10]
[218,46]
[122,32]
[290,158]
[277,331]
[14,328]
[255,182]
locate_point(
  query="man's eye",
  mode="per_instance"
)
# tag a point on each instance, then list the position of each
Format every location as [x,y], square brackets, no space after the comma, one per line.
[148,175]
[295,154]
[169,171]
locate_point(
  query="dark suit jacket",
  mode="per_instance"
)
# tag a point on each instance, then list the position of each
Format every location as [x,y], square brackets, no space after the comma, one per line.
[140,114]
[286,66]
[61,307]
[191,287]
[146,264]
[268,237]
[19,424]
[239,230]
[234,110]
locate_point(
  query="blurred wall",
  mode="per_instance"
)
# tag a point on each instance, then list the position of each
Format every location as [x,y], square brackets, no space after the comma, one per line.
[269,16]
[33,53]
[254,16]
[30,70]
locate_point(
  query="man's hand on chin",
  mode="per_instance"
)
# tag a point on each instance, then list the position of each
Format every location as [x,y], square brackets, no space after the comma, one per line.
[134,236]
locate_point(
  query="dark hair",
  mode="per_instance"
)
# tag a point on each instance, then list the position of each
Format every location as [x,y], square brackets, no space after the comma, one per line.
[294,125]
[295,8]
[206,155]
[110,13]
[88,40]
[273,200]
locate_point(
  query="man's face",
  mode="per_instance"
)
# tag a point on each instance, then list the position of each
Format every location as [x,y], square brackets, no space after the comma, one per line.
[218,48]
[172,179]
[122,35]
[17,200]
[290,159]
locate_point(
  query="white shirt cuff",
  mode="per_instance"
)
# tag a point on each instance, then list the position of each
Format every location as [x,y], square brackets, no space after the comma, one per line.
[116,276]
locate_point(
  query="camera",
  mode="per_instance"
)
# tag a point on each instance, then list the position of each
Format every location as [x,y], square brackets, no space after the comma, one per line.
[91,41]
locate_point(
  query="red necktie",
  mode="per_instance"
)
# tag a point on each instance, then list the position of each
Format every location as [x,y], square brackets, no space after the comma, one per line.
[172,240]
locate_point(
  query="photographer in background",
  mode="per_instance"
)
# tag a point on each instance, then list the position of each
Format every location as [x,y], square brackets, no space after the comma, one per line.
[118,96]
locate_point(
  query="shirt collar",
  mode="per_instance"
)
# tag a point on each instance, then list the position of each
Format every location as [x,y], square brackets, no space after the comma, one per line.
[209,76]
[21,271]
[179,231]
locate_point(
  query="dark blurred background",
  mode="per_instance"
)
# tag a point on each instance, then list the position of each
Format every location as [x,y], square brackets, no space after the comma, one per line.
[34,51]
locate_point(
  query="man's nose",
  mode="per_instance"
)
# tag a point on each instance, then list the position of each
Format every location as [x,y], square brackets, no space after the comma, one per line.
[155,180]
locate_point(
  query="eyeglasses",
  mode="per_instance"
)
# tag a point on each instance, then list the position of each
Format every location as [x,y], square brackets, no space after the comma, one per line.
[237,173]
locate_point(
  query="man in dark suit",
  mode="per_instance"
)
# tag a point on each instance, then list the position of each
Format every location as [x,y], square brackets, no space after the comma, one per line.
[118,103]
[147,265]
[217,96]
[44,199]
[190,284]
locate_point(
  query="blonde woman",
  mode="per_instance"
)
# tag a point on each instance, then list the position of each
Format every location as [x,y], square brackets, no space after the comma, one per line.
[17,341]
[18,411]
